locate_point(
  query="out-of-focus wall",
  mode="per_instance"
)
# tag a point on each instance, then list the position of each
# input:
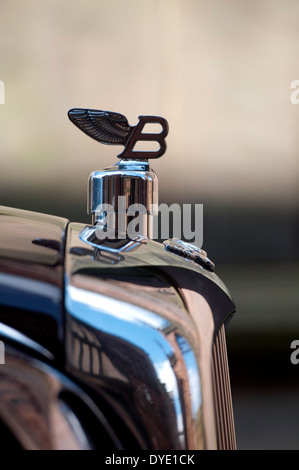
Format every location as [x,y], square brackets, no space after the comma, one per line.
[220,72]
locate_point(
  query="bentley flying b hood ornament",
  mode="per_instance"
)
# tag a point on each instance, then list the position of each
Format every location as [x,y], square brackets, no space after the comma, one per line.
[113,128]
[130,183]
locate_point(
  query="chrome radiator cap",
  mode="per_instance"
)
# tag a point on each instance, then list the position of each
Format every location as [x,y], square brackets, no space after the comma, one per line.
[127,184]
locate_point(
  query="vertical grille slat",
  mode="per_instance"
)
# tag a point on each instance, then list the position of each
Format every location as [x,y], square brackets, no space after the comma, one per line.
[222,393]
[230,414]
[226,390]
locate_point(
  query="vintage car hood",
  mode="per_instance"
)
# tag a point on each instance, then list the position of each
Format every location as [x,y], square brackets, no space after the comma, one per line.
[136,326]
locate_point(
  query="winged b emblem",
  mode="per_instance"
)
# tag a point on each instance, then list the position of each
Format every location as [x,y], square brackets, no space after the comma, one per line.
[113,128]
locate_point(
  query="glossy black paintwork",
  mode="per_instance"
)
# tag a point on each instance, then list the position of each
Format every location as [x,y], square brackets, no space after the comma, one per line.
[43,410]
[31,275]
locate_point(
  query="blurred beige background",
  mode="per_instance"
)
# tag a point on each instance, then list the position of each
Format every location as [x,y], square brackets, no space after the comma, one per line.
[220,72]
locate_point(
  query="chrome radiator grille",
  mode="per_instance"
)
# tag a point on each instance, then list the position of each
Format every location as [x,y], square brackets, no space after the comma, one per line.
[226,438]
